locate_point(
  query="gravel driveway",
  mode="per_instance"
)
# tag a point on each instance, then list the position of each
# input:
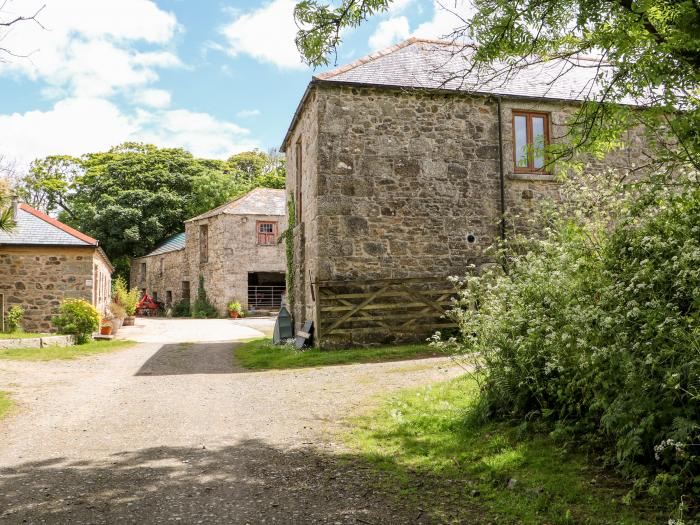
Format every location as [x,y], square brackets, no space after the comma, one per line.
[176,431]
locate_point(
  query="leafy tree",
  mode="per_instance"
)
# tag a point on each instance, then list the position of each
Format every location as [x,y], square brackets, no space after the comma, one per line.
[6,213]
[46,186]
[647,51]
[249,164]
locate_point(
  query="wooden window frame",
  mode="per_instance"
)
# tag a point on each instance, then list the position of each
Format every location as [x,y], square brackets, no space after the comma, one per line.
[272,235]
[530,168]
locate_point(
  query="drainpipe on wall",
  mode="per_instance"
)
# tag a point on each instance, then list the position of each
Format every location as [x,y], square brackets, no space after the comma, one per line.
[501,174]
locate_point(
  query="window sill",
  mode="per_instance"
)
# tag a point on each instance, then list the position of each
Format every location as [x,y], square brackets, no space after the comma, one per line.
[532,176]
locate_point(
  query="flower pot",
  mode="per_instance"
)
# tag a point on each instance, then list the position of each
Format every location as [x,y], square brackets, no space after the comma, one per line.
[129,321]
[106,329]
[234,314]
[116,324]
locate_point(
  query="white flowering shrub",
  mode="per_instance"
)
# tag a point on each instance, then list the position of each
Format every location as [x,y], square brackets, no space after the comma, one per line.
[595,332]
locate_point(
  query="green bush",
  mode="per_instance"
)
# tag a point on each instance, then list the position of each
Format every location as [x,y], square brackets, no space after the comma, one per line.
[596,332]
[14,318]
[121,295]
[181,309]
[78,318]
[202,308]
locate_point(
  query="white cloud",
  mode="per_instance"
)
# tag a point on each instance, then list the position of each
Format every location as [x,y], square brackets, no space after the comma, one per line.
[87,47]
[155,98]
[72,127]
[76,126]
[247,113]
[266,34]
[389,32]
[445,19]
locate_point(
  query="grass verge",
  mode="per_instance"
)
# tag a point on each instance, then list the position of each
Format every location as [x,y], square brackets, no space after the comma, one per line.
[21,335]
[6,404]
[261,354]
[429,447]
[51,353]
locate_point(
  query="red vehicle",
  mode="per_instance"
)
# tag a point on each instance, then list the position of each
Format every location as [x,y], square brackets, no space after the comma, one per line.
[147,306]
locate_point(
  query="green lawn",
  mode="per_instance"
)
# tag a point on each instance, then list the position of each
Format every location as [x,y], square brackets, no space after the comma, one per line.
[6,404]
[426,445]
[63,352]
[21,335]
[261,354]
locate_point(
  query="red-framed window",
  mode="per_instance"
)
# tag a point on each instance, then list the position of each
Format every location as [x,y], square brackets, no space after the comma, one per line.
[267,232]
[530,139]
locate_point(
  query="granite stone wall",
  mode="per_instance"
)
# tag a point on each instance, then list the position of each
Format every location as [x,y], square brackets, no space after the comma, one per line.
[39,278]
[401,183]
[233,252]
[160,274]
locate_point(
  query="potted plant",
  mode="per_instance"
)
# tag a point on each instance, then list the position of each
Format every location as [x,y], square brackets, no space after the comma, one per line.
[128,299]
[117,316]
[235,309]
[106,327]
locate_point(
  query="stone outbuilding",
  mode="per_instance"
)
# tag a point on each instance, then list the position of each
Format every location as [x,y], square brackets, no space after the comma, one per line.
[233,247]
[402,169]
[43,261]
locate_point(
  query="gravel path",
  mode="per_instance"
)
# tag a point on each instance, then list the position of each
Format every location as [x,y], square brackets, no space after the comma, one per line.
[178,432]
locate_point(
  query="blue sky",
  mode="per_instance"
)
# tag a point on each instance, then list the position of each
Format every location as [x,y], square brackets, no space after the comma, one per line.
[214,77]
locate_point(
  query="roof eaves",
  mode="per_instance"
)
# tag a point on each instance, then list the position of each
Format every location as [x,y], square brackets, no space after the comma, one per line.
[297,114]
[58,224]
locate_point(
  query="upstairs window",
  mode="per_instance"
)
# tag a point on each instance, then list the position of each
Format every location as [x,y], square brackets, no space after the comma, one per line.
[143,272]
[203,243]
[530,138]
[267,232]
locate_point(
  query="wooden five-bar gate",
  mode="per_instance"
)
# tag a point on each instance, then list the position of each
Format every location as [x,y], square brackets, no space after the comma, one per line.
[382,309]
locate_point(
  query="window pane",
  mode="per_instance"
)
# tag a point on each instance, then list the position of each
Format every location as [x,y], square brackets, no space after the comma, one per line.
[538,138]
[520,124]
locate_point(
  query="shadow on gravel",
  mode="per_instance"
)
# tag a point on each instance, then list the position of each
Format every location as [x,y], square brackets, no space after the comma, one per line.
[191,358]
[251,482]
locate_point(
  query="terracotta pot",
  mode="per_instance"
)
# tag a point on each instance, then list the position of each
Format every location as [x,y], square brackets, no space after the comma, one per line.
[234,314]
[106,329]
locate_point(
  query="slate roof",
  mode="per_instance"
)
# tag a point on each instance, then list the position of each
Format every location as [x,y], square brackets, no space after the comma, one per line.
[436,64]
[37,228]
[260,201]
[171,244]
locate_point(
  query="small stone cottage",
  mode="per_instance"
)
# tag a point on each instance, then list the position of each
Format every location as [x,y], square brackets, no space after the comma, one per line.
[43,261]
[233,247]
[401,171]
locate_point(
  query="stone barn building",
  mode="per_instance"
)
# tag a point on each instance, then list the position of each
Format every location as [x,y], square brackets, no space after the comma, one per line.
[401,176]
[43,261]
[233,247]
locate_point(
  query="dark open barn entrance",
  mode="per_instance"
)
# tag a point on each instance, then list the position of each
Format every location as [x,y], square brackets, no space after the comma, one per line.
[265,290]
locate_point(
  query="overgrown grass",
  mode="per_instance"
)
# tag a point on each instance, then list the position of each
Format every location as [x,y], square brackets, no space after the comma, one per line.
[430,448]
[63,352]
[22,335]
[6,404]
[261,354]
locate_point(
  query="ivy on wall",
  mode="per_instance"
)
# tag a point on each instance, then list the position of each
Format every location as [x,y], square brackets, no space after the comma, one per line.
[289,250]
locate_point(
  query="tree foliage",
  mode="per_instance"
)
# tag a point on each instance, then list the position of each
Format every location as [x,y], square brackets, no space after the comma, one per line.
[135,195]
[644,51]
[594,332]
